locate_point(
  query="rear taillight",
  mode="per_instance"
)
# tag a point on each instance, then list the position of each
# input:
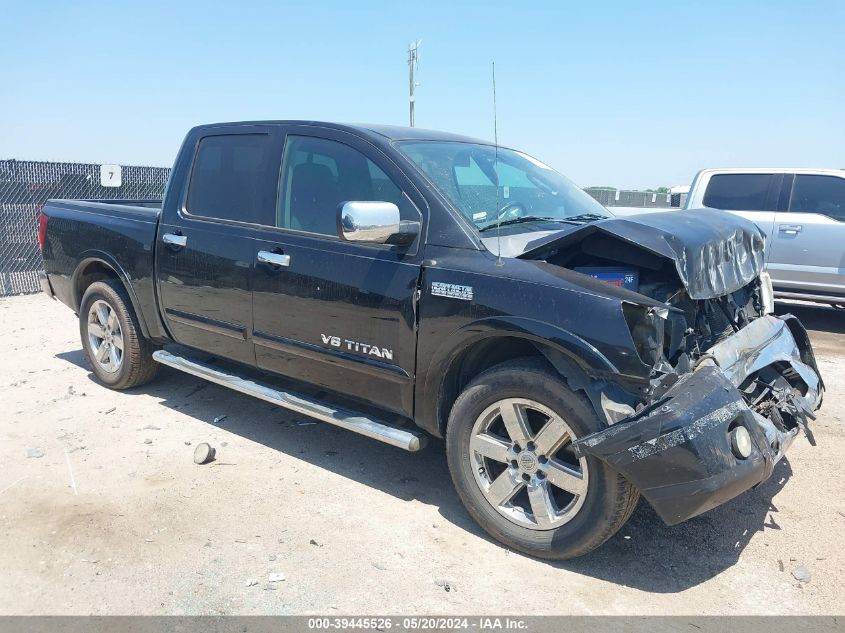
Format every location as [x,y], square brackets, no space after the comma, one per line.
[42,229]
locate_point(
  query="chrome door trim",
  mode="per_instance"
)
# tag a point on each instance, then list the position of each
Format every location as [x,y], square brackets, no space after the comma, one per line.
[174,240]
[274,259]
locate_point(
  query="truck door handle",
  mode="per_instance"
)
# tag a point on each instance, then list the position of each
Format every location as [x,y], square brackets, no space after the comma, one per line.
[790,229]
[174,240]
[273,259]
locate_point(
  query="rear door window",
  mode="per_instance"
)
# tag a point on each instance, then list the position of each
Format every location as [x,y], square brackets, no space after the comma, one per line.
[234,178]
[739,192]
[819,194]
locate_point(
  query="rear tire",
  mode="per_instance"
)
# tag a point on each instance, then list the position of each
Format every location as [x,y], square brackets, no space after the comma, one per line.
[118,353]
[533,494]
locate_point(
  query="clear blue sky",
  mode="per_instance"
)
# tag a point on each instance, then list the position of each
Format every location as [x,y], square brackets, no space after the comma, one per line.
[630,94]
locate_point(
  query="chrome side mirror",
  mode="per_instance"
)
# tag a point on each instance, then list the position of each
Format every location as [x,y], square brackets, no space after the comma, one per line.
[374,222]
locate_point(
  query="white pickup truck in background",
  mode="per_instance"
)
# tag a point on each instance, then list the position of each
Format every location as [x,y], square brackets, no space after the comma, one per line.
[802,213]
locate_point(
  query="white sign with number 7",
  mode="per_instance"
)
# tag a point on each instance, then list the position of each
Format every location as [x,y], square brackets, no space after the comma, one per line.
[110,176]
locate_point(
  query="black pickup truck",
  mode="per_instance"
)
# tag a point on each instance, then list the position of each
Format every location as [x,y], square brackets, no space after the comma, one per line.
[403,283]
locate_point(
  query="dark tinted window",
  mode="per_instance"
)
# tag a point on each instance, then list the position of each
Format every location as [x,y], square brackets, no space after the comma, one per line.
[234,178]
[738,192]
[819,194]
[317,175]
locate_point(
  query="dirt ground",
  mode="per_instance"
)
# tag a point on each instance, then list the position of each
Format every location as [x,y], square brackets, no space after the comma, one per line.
[114,517]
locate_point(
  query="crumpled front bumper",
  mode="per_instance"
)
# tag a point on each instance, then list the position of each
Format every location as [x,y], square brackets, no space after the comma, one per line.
[678,452]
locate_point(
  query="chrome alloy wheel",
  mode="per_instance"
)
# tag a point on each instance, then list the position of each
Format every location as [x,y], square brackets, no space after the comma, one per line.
[522,458]
[105,337]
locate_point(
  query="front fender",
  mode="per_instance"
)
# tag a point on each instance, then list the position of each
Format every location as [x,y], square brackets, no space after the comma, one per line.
[579,352]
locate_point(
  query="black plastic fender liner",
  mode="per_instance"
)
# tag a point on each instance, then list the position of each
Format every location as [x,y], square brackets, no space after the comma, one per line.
[677,452]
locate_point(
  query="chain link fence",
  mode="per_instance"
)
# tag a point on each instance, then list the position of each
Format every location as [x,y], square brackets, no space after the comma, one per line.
[26,185]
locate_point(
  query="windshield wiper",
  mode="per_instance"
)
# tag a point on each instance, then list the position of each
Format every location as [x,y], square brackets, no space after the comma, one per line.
[520,220]
[586,217]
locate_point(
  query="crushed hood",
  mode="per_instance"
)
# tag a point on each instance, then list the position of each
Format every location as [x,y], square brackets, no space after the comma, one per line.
[715,252]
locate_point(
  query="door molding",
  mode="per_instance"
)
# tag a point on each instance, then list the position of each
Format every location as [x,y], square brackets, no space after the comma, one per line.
[336,357]
[205,323]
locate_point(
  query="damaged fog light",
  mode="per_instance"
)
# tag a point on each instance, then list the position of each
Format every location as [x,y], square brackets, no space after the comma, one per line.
[741,442]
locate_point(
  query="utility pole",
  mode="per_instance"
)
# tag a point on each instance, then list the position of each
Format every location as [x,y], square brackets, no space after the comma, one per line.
[413,61]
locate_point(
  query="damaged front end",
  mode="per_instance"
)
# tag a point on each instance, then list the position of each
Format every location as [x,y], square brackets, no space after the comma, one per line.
[726,386]
[717,430]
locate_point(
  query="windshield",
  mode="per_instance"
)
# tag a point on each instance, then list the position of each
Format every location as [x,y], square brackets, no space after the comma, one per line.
[529,192]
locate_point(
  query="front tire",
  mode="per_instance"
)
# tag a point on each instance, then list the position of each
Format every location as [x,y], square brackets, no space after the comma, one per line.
[509,448]
[118,353]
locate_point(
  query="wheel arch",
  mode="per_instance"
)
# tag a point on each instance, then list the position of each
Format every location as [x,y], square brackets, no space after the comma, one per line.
[96,266]
[485,343]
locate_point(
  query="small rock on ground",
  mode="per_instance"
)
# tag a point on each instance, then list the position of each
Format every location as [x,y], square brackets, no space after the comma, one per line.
[447,585]
[801,574]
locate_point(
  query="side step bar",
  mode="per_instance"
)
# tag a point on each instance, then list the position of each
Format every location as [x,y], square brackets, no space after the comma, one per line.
[344,418]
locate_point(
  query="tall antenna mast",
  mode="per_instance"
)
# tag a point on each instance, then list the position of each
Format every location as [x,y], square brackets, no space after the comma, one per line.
[499,261]
[413,62]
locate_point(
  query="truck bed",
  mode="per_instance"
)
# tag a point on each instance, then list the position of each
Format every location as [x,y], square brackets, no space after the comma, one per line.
[121,232]
[136,208]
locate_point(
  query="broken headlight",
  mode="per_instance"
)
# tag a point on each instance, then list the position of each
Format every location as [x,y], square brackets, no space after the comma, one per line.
[647,326]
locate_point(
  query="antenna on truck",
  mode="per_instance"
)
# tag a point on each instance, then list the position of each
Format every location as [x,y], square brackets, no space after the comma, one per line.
[499,261]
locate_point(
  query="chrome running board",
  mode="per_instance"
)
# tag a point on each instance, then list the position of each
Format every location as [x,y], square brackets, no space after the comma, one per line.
[344,418]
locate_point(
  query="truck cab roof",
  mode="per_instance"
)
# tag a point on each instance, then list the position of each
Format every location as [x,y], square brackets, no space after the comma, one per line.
[375,132]
[772,170]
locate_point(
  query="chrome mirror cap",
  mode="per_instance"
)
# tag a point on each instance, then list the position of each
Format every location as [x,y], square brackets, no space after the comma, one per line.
[373,222]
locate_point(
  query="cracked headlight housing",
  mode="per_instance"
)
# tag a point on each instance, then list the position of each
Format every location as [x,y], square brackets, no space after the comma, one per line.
[647,326]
